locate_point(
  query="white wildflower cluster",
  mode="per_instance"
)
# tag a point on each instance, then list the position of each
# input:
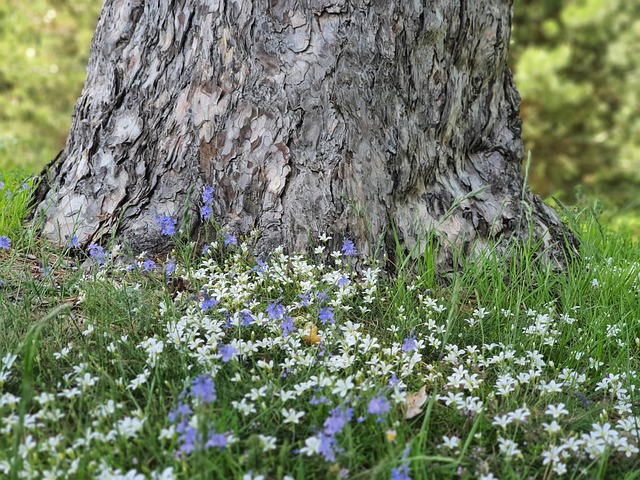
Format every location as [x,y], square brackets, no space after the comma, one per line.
[230,325]
[284,351]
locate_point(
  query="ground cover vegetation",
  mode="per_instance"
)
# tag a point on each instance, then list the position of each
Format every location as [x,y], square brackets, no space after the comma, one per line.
[210,363]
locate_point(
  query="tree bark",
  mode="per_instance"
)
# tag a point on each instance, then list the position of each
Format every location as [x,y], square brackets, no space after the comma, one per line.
[307,116]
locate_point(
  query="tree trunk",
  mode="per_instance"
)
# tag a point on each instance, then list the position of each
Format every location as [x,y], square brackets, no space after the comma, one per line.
[338,116]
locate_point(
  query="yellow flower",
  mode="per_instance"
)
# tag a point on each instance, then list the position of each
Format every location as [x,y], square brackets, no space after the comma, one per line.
[313,336]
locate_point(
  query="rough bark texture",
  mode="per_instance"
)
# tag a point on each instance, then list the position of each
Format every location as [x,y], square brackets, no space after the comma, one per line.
[308,116]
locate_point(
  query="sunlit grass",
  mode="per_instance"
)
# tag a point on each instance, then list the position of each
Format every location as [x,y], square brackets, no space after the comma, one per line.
[287,367]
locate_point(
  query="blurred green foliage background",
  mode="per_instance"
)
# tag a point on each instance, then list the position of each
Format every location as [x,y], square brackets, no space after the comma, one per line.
[44,49]
[576,64]
[577,67]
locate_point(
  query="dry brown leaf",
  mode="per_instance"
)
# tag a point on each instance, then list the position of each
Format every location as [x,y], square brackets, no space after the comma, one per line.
[313,336]
[415,401]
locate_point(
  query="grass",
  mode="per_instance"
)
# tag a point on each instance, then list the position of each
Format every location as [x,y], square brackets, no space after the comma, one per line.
[287,367]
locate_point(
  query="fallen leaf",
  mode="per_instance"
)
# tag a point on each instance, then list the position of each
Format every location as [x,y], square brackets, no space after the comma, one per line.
[415,401]
[313,336]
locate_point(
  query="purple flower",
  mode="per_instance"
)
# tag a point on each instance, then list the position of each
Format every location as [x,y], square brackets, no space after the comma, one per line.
[208,302]
[205,211]
[326,315]
[287,326]
[378,406]
[230,239]
[227,352]
[315,400]
[218,440]
[5,242]
[72,242]
[260,266]
[97,252]
[1,184]
[343,280]
[275,311]
[205,249]
[321,296]
[348,248]
[409,343]
[245,318]
[402,472]
[45,270]
[207,195]
[188,439]
[170,267]
[167,224]
[180,413]
[305,298]
[328,447]
[337,420]
[148,264]
[393,379]
[203,389]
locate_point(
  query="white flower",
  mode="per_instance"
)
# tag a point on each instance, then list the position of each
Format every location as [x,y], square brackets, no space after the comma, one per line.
[559,468]
[167,433]
[287,395]
[502,421]
[311,446]
[552,427]
[342,387]
[605,431]
[520,415]
[550,387]
[154,348]
[628,449]
[552,455]
[70,393]
[450,442]
[454,399]
[129,426]
[250,476]
[166,474]
[505,384]
[86,381]
[63,353]
[140,379]
[268,442]
[593,444]
[291,416]
[7,361]
[556,410]
[488,476]
[244,407]
[509,447]
[105,409]
[472,404]
[257,393]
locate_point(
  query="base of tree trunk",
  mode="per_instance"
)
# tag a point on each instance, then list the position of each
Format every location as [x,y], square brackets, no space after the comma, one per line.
[354,119]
